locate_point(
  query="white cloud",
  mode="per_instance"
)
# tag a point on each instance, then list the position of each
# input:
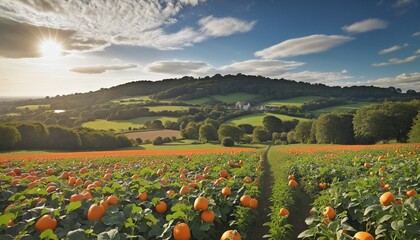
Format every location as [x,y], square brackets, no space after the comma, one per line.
[392,49]
[303,46]
[404,81]
[416,34]
[344,71]
[176,67]
[394,61]
[403,3]
[328,78]
[217,27]
[101,68]
[417,52]
[140,23]
[366,25]
[191,2]
[269,68]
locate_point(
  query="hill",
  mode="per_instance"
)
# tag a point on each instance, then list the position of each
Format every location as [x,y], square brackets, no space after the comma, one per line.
[189,88]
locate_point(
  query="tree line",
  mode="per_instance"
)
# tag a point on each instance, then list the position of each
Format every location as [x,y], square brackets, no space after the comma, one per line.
[36,135]
[368,125]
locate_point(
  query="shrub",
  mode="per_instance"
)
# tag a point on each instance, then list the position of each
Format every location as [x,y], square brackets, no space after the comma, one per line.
[228,142]
[158,141]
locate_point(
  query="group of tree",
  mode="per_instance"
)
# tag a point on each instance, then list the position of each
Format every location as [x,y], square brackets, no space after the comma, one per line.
[36,135]
[368,125]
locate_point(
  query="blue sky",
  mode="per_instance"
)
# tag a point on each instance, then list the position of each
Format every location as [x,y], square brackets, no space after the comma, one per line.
[50,48]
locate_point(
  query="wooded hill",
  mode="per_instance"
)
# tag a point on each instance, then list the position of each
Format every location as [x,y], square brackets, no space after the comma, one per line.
[188,88]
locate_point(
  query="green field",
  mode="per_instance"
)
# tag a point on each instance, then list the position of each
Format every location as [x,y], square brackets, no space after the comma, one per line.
[118,125]
[296,101]
[340,108]
[228,98]
[197,101]
[33,107]
[168,108]
[132,100]
[192,144]
[257,118]
[235,97]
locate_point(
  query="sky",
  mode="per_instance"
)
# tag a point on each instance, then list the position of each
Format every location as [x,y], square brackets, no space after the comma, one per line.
[50,48]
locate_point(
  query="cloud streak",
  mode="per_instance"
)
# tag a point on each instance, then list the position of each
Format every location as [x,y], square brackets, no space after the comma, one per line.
[366,26]
[303,46]
[122,22]
[269,68]
[392,49]
[395,61]
[404,81]
[101,68]
[218,27]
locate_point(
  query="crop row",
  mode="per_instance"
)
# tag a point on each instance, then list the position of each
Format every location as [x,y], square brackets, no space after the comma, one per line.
[163,197]
[369,194]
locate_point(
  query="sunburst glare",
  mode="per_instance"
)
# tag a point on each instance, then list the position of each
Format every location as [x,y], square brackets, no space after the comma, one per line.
[50,49]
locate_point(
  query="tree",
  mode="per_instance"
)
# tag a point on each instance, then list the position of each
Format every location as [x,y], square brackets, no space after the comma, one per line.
[303,131]
[414,134]
[34,135]
[228,130]
[158,141]
[207,133]
[190,132]
[148,124]
[63,138]
[157,124]
[246,128]
[228,142]
[334,128]
[272,124]
[10,137]
[260,135]
[139,140]
[383,122]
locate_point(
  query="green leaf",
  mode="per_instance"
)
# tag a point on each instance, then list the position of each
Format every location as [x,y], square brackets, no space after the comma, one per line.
[48,234]
[369,209]
[110,235]
[78,234]
[205,226]
[114,218]
[73,206]
[385,218]
[151,218]
[305,234]
[5,218]
[176,215]
[413,228]
[397,225]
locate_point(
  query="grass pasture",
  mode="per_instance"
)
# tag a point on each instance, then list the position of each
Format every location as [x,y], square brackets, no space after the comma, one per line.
[340,108]
[33,107]
[167,108]
[296,101]
[235,97]
[132,100]
[101,124]
[257,118]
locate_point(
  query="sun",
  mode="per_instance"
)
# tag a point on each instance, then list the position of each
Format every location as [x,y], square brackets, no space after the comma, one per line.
[50,49]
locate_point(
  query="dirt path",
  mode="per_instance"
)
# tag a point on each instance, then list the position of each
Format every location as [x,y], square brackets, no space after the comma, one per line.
[300,212]
[258,231]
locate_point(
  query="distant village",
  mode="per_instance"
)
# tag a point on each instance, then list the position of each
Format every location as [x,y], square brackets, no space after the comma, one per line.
[246,106]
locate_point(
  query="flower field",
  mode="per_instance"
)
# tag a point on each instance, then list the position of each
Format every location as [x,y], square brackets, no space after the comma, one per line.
[151,197]
[360,193]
